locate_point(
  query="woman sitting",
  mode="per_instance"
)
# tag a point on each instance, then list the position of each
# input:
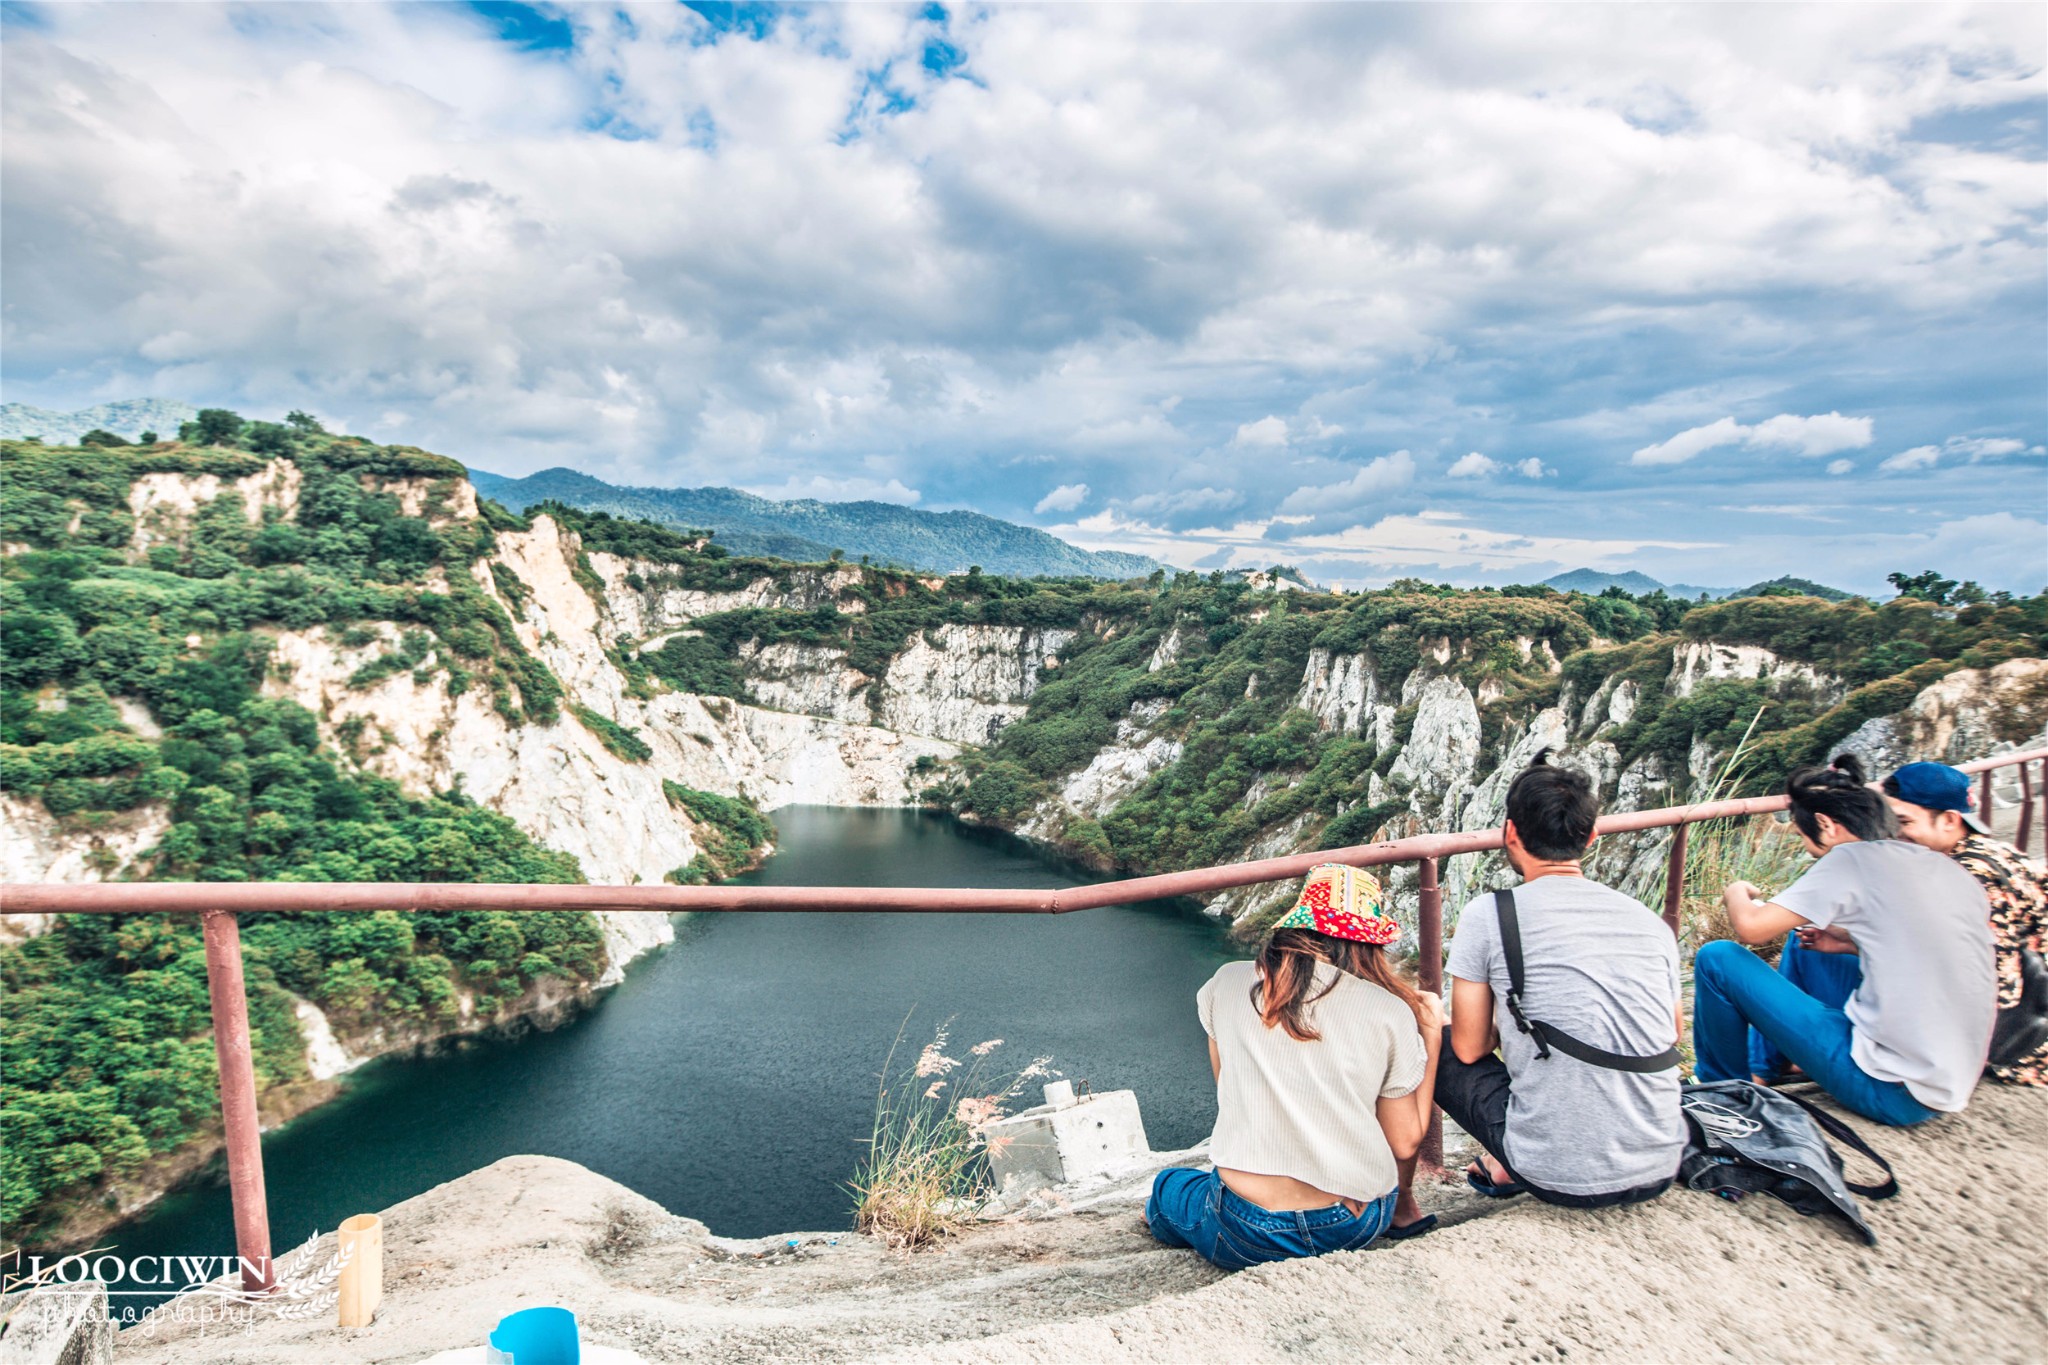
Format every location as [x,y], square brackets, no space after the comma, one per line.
[1325,1063]
[1909,1043]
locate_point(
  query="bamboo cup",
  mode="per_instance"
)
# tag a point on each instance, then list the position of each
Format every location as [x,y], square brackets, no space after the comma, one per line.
[362,1273]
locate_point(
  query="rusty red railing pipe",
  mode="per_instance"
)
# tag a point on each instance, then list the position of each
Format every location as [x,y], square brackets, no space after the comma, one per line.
[2026,809]
[1674,878]
[246,897]
[241,1129]
[1429,974]
[218,904]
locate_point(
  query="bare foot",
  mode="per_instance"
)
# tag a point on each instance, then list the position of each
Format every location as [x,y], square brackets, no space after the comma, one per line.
[1496,1173]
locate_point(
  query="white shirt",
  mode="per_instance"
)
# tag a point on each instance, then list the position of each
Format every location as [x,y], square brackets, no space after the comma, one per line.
[1309,1110]
[1924,1012]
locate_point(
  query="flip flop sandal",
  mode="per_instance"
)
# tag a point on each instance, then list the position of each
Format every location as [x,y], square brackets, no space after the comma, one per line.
[1504,1190]
[1422,1225]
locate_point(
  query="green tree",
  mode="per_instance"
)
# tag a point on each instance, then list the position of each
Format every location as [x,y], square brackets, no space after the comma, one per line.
[213,427]
[1928,586]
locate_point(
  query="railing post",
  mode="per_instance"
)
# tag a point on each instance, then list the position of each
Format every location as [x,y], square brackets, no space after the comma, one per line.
[1429,972]
[2026,808]
[1674,877]
[237,1064]
[1984,797]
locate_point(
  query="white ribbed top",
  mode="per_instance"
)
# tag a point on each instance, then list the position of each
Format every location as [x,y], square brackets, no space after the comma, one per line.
[1309,1110]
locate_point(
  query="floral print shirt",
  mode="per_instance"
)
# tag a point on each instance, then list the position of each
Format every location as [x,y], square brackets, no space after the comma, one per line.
[2017,888]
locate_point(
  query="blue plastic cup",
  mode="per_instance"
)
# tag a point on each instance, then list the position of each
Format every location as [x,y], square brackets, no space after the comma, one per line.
[538,1336]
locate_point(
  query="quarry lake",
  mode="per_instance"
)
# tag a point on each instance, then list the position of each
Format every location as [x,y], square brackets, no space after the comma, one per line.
[731,1077]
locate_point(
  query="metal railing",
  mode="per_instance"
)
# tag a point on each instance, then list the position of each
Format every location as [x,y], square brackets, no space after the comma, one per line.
[219,903]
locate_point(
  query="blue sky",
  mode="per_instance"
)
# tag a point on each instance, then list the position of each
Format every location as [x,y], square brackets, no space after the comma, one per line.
[1715,292]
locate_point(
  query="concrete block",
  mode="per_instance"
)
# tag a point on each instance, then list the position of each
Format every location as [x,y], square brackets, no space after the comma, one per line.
[59,1324]
[1057,1144]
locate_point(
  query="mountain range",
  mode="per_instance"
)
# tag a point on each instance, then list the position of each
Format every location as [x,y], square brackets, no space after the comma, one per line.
[129,418]
[808,530]
[1593,582]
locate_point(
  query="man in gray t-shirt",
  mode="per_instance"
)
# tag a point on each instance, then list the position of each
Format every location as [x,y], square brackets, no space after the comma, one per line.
[1598,967]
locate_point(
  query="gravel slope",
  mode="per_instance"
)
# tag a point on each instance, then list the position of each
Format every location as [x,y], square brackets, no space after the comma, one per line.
[1957,1275]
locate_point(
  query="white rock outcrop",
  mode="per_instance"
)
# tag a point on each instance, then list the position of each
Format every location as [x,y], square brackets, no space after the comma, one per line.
[1698,661]
[965,682]
[35,847]
[1342,691]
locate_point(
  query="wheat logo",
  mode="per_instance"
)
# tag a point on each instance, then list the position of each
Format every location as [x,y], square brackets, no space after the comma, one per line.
[304,1287]
[303,1290]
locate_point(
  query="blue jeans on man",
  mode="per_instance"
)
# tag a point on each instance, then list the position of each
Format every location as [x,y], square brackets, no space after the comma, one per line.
[1830,978]
[1195,1209]
[1735,991]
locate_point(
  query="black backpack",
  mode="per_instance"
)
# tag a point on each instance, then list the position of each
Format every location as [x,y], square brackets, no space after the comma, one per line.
[2023,1026]
[1744,1139]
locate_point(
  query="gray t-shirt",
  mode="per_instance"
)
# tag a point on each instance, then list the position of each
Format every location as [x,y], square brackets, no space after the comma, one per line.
[1929,997]
[1605,970]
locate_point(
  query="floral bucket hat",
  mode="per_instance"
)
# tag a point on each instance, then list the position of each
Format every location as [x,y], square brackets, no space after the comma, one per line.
[1343,902]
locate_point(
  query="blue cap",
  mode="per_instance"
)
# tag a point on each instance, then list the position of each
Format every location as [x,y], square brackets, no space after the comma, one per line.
[1937,787]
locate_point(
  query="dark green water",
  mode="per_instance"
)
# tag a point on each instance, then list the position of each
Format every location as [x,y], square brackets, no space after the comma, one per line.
[731,1077]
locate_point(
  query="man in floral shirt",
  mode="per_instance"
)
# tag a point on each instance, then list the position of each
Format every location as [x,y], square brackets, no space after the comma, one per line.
[1932,801]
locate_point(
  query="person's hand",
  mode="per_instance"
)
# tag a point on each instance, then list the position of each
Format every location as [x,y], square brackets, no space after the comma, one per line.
[1432,1012]
[1736,889]
[1813,938]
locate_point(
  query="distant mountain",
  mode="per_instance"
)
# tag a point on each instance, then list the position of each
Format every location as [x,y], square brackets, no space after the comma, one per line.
[1593,582]
[1794,587]
[129,418]
[941,542]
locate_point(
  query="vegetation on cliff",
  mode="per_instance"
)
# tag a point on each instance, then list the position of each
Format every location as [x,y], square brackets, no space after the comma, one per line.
[106,1059]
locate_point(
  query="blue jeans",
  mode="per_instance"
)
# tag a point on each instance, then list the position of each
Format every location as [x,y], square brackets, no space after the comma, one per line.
[1191,1208]
[1830,978]
[1735,990]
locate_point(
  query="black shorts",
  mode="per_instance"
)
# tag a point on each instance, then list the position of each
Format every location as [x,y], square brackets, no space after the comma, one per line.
[1475,1095]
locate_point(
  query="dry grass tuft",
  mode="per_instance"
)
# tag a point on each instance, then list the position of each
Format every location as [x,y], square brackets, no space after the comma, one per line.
[926,1172]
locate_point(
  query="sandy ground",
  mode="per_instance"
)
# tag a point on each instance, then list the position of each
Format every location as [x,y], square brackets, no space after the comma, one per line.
[1958,1275]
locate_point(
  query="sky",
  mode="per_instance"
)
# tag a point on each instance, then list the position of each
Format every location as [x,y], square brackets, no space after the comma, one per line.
[1715,292]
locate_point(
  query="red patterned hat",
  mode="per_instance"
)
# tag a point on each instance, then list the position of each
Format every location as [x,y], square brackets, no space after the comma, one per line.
[1343,902]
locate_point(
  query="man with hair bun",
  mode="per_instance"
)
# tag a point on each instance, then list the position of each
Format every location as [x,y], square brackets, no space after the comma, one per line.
[1909,1042]
[1580,1107]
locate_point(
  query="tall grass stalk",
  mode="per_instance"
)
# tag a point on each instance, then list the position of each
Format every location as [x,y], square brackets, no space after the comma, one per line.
[1753,849]
[927,1166]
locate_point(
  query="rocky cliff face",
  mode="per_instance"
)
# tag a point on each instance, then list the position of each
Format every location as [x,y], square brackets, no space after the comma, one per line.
[1456,747]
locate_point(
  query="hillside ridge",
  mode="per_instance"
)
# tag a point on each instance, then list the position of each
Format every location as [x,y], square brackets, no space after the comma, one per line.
[808,529]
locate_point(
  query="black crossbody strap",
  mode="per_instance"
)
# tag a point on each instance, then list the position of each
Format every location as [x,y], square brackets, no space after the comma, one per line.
[1511,948]
[1546,1036]
[1849,1137]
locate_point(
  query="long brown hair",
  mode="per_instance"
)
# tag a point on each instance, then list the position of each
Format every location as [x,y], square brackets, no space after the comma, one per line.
[1287,974]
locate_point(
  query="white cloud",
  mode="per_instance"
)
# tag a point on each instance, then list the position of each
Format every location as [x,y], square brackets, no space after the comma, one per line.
[1919,457]
[1267,432]
[1839,467]
[1823,434]
[1382,475]
[1431,542]
[1185,500]
[1097,245]
[1970,448]
[1478,466]
[1065,498]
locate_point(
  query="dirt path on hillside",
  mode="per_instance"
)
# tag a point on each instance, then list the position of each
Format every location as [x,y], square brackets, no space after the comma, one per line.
[1957,1275]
